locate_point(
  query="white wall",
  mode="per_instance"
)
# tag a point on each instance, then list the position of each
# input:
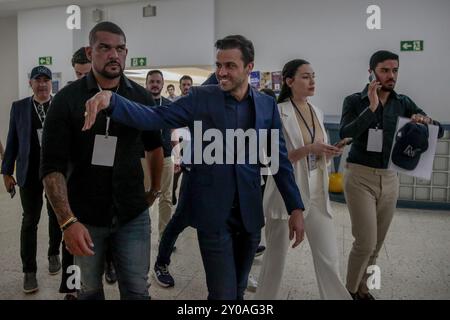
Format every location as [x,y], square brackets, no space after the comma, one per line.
[181,34]
[333,36]
[44,33]
[8,65]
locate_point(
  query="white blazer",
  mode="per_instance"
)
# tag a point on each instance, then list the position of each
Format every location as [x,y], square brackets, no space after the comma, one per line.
[273,204]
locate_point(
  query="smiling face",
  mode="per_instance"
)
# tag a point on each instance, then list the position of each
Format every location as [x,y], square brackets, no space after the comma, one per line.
[231,72]
[303,84]
[108,54]
[387,73]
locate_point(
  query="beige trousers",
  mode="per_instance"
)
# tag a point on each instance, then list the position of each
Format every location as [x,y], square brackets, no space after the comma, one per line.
[371,196]
[165,200]
[321,234]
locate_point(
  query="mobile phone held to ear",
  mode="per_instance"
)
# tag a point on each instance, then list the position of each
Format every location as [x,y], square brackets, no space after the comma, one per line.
[344,142]
[372,76]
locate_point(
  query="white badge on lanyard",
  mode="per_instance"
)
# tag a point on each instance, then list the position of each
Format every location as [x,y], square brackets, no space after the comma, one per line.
[375,140]
[39,134]
[312,161]
[104,147]
[41,115]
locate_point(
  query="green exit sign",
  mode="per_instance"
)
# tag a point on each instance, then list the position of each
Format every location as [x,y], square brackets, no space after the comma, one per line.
[139,62]
[414,45]
[45,61]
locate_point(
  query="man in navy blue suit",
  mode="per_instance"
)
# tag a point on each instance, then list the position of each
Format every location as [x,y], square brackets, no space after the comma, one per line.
[23,147]
[222,200]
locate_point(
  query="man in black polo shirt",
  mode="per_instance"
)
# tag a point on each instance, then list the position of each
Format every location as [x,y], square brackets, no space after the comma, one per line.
[371,190]
[94,180]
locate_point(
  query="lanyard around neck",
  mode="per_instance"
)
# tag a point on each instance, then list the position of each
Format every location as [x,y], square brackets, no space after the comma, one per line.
[41,111]
[312,132]
[108,119]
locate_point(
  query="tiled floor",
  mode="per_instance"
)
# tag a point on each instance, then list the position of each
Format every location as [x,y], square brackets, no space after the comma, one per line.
[415,261]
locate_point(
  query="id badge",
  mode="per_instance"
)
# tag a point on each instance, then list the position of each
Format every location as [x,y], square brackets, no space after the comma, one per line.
[39,134]
[104,150]
[312,162]
[375,140]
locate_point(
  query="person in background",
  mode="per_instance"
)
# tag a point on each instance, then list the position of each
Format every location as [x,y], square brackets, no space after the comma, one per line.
[171,91]
[22,152]
[154,84]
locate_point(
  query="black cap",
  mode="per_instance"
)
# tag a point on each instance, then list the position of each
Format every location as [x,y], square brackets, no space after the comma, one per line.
[410,142]
[40,71]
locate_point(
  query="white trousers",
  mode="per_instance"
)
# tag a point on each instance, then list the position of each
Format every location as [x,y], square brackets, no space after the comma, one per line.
[321,234]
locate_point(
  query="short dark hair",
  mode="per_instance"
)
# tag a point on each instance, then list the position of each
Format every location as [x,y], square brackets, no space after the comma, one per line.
[154,72]
[238,42]
[269,92]
[171,86]
[79,57]
[105,26]
[381,56]
[186,77]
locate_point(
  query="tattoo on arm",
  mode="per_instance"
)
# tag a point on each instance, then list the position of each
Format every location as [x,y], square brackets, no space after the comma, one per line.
[56,191]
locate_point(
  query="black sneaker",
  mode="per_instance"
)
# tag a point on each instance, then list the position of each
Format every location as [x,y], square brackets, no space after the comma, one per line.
[70,296]
[162,276]
[365,296]
[354,296]
[54,265]
[260,250]
[361,296]
[30,284]
[110,273]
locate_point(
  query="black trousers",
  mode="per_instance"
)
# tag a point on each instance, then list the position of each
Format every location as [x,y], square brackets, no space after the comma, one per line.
[31,197]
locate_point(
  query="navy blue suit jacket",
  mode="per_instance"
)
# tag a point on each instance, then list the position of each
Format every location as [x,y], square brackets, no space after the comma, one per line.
[18,142]
[209,190]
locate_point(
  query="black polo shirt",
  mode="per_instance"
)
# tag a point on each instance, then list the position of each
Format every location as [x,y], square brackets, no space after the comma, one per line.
[97,193]
[357,119]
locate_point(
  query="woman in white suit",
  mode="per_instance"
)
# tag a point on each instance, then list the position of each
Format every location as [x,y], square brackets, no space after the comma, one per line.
[309,152]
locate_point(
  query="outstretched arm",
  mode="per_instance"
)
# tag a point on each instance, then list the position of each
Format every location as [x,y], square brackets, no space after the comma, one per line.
[175,115]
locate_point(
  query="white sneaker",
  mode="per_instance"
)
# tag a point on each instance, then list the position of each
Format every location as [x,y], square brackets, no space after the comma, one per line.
[252,283]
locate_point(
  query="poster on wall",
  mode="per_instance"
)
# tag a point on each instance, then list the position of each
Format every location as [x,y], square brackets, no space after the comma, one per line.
[276,81]
[266,80]
[255,78]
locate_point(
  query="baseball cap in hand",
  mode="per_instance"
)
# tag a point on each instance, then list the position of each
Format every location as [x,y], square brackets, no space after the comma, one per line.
[410,142]
[40,71]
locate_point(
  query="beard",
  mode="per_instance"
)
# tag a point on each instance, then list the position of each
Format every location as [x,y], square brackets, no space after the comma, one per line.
[233,84]
[111,75]
[155,93]
[389,88]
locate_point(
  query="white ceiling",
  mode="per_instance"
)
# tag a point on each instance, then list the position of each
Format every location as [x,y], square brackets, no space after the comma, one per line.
[11,7]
